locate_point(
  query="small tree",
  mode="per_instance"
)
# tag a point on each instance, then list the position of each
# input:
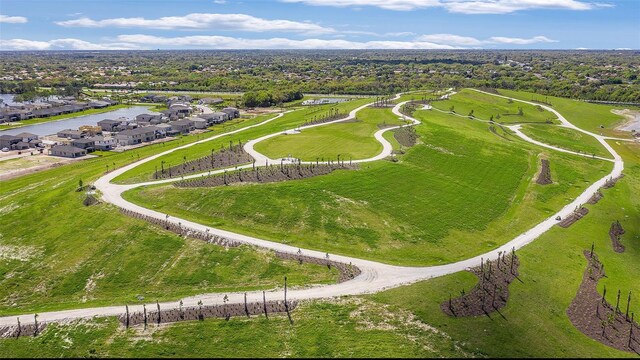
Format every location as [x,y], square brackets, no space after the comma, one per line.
[520,112]
[80,184]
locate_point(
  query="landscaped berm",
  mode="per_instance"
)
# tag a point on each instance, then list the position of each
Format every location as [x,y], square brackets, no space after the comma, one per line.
[335,203]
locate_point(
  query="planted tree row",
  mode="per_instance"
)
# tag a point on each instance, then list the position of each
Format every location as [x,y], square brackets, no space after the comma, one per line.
[225,157]
[267,174]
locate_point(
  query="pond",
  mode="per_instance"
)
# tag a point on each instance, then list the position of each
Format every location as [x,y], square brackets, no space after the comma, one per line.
[53,127]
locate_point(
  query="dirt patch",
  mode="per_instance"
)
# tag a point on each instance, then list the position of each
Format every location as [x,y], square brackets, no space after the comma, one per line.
[406,136]
[159,316]
[182,230]
[615,232]
[633,120]
[20,253]
[590,313]
[544,177]
[90,200]
[575,216]
[347,272]
[226,157]
[490,293]
[595,198]
[267,174]
[611,182]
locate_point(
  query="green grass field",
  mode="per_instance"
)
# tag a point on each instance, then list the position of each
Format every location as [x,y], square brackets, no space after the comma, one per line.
[582,114]
[460,193]
[484,106]
[551,271]
[350,140]
[55,253]
[565,138]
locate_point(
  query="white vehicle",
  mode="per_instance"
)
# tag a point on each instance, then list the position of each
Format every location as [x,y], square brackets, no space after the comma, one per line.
[5,149]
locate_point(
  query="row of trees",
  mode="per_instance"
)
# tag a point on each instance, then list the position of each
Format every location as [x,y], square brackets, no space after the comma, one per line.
[266,98]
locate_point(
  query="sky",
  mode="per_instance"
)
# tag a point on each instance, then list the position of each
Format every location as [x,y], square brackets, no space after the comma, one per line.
[318,24]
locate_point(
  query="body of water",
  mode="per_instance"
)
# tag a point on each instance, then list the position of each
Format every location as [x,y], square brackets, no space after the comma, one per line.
[53,127]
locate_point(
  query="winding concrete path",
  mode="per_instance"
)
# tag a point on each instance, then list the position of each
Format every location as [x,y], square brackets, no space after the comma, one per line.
[375,276]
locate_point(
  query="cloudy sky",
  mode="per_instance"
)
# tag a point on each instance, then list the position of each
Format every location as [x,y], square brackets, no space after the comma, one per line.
[318,24]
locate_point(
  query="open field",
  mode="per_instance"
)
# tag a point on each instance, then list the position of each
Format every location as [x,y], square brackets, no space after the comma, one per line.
[484,106]
[349,140]
[565,138]
[55,253]
[288,121]
[60,117]
[584,115]
[475,192]
[343,328]
[551,270]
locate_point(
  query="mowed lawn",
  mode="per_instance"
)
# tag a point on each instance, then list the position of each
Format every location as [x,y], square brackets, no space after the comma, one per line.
[596,118]
[484,106]
[289,120]
[460,193]
[56,253]
[565,138]
[349,140]
[536,323]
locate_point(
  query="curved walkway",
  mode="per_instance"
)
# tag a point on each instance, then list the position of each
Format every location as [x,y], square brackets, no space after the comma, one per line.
[375,276]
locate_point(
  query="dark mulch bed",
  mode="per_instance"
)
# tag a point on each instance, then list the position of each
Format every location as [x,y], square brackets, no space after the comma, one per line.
[90,200]
[490,293]
[544,177]
[267,174]
[615,232]
[590,313]
[595,198]
[571,219]
[612,182]
[406,136]
[226,157]
[347,272]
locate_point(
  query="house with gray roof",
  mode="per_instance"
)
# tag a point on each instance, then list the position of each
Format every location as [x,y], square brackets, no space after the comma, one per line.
[67,151]
[6,141]
[136,136]
[232,112]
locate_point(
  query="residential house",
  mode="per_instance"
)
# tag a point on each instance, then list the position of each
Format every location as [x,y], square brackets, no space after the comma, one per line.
[104,143]
[26,137]
[182,126]
[67,151]
[70,134]
[199,123]
[136,136]
[109,124]
[88,144]
[148,117]
[232,112]
[217,117]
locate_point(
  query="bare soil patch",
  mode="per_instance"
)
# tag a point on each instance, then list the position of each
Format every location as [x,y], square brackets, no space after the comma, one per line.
[490,293]
[590,313]
[544,177]
[406,136]
[615,232]
[595,198]
[225,157]
[267,174]
[575,216]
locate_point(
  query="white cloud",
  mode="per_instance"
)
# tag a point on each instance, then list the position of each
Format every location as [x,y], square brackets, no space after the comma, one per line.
[451,39]
[62,44]
[461,6]
[13,19]
[225,42]
[237,22]
[519,41]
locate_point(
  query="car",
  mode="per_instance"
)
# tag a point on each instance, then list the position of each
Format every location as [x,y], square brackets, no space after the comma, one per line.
[5,149]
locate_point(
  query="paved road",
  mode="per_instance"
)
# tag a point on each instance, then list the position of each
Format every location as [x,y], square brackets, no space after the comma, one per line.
[375,276]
